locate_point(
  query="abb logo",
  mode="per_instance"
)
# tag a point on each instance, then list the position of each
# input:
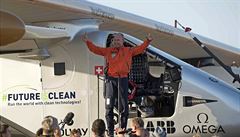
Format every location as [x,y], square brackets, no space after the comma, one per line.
[167,126]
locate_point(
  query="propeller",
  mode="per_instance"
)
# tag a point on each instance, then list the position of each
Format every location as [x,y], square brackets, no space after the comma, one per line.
[12,28]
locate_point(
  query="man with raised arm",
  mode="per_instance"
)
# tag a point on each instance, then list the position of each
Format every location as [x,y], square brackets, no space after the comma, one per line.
[119,60]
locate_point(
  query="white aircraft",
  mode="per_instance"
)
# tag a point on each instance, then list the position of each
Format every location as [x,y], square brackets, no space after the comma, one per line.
[46,69]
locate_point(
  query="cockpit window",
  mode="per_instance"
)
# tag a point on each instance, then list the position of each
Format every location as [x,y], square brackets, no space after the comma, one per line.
[153,84]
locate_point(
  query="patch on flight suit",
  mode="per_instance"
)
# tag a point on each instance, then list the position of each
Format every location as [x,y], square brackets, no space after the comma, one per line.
[113,54]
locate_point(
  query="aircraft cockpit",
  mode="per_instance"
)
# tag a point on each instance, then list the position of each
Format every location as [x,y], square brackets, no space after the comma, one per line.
[154,82]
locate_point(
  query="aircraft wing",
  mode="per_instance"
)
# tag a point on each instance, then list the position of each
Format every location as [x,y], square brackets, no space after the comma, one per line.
[167,38]
[34,32]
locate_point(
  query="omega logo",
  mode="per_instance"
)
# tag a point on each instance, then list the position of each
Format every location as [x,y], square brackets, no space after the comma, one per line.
[200,119]
[203,127]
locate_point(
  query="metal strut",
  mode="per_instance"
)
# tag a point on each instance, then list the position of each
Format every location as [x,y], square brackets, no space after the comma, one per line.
[119,113]
[236,77]
[227,68]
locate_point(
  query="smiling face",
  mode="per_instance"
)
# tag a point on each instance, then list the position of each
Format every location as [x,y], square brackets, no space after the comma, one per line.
[117,40]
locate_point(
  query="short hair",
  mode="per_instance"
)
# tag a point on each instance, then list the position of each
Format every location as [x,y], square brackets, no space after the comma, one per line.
[4,128]
[118,34]
[50,122]
[47,123]
[98,127]
[74,131]
[138,122]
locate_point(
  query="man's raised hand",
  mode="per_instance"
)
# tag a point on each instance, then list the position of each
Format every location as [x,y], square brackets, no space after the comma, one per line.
[149,38]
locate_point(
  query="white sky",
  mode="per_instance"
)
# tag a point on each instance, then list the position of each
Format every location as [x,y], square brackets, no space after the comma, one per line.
[215,19]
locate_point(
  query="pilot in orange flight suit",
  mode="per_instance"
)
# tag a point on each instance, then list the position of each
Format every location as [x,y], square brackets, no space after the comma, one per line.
[119,60]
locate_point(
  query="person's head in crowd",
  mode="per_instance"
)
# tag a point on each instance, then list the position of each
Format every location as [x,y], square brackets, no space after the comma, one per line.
[55,126]
[49,128]
[75,133]
[4,131]
[137,126]
[98,128]
[197,135]
[137,123]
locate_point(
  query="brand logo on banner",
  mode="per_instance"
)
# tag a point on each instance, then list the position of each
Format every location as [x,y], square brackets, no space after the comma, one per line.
[27,96]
